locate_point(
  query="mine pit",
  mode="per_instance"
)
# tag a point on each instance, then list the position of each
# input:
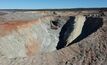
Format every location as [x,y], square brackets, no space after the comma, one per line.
[58,37]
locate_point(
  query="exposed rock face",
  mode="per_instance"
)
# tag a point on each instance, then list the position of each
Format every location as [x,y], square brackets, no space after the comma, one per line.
[71,30]
[19,38]
[78,26]
[27,38]
[23,38]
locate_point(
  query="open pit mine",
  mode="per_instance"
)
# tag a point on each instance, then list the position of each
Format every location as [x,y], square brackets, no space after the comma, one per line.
[53,37]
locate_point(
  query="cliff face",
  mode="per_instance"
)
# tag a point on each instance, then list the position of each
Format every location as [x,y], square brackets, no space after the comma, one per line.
[31,38]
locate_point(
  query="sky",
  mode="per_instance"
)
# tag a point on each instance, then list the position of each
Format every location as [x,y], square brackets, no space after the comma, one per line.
[51,4]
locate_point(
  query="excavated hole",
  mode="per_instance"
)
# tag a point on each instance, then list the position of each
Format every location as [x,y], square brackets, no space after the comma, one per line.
[55,25]
[91,25]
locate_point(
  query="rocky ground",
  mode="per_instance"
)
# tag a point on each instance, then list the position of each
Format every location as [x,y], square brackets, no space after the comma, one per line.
[90,48]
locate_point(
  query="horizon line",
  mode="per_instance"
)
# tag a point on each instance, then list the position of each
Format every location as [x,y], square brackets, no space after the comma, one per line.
[56,9]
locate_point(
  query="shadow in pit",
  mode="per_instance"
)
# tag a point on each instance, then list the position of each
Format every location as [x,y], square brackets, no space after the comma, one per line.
[90,26]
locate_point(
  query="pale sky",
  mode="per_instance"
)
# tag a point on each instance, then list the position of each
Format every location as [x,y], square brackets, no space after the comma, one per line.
[42,4]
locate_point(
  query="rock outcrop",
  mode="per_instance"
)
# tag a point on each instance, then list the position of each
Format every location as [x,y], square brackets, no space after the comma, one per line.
[26,38]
